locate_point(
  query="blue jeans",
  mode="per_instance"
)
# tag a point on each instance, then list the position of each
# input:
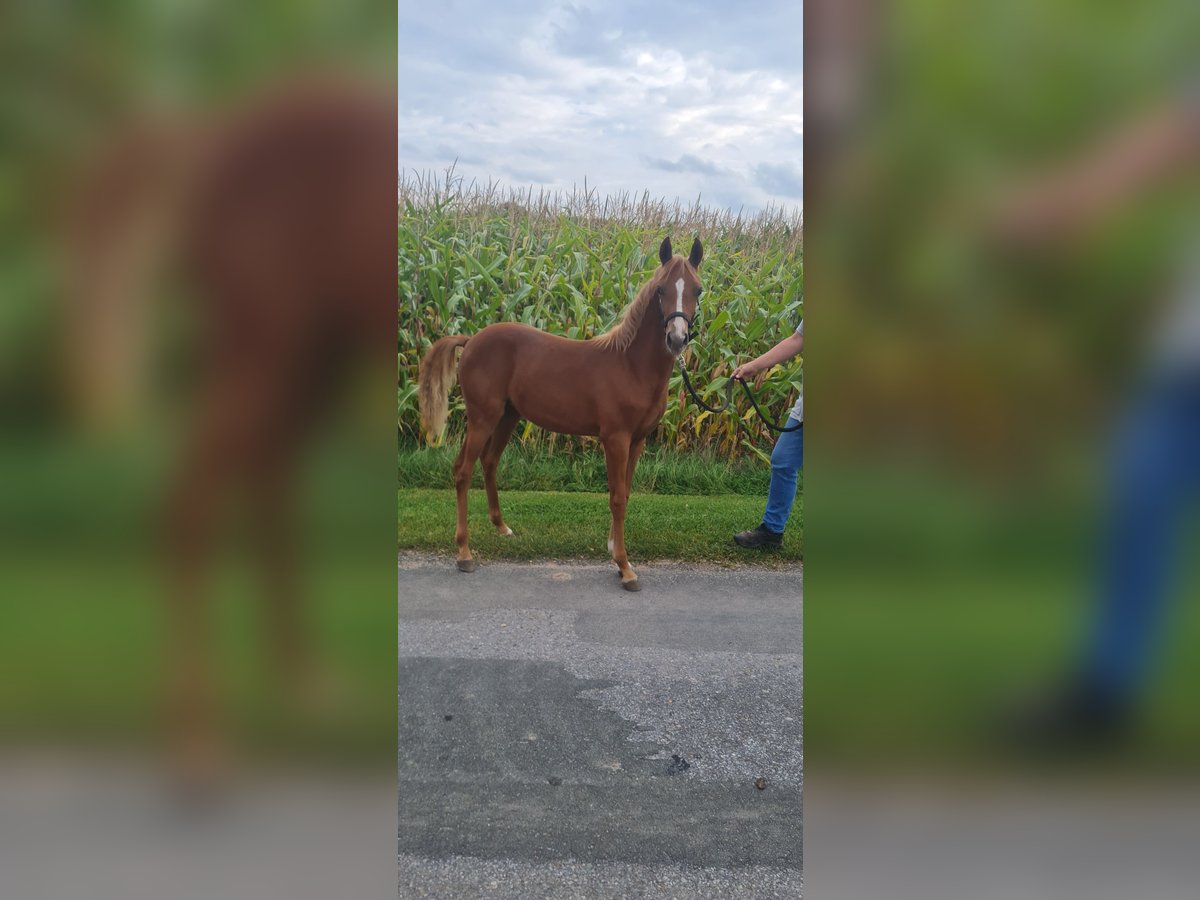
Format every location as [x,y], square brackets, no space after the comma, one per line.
[1156,468]
[786,461]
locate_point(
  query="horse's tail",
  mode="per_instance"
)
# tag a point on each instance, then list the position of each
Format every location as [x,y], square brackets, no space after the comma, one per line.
[124,220]
[437,375]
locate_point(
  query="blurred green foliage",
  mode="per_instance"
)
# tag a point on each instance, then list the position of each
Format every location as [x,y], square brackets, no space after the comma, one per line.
[931,328]
[73,76]
[962,389]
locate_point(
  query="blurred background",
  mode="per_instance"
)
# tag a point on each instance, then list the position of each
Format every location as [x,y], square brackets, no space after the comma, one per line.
[1001,209]
[999,201]
[196,521]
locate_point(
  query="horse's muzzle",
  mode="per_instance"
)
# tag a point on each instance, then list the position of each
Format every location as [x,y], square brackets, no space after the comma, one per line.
[678,333]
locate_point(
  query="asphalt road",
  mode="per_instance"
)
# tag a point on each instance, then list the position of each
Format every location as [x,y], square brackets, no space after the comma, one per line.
[561,737]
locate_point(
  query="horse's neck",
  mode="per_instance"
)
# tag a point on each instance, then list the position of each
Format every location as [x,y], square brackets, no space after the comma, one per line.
[647,352]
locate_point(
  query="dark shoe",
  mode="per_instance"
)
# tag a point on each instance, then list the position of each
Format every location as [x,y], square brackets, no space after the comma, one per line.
[1075,715]
[758,538]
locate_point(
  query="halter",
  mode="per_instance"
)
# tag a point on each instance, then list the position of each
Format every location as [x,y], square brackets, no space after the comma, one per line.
[680,315]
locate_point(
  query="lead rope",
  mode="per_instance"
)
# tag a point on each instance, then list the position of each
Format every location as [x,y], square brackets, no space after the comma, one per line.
[729,401]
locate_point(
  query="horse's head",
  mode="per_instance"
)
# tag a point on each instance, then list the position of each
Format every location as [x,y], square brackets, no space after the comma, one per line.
[677,291]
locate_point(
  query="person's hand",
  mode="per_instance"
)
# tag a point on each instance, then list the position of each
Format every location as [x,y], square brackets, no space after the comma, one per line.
[745,371]
[1029,217]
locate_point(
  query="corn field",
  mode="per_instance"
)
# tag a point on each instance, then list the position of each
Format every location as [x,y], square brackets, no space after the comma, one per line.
[472,255]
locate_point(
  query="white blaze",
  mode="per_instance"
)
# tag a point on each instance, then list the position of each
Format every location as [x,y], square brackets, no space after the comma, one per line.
[678,327]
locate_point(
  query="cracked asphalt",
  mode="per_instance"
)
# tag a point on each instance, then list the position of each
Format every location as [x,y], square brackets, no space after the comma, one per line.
[560,737]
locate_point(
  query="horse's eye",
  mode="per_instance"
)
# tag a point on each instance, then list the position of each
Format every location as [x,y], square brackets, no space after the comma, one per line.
[699,291]
[658,291]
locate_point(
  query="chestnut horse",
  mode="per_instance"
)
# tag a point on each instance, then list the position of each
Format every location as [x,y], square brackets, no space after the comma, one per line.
[613,387]
[282,212]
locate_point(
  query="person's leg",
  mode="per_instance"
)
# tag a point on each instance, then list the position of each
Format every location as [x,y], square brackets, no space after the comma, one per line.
[1156,466]
[786,461]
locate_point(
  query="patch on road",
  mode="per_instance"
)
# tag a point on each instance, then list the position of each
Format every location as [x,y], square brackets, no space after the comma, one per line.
[528,767]
[513,718]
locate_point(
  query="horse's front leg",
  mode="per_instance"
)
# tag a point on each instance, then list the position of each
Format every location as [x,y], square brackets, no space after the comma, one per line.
[616,458]
[635,451]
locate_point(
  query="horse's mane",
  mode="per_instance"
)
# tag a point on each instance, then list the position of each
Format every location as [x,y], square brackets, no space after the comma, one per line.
[621,335]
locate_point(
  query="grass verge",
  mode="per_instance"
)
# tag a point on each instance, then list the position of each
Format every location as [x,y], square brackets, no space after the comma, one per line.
[561,525]
[660,471]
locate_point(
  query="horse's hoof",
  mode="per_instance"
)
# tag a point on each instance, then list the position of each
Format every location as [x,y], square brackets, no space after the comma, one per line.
[632,585]
[507,532]
[467,565]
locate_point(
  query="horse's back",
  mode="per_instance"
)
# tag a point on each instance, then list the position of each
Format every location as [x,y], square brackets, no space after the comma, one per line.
[502,343]
[517,334]
[542,375]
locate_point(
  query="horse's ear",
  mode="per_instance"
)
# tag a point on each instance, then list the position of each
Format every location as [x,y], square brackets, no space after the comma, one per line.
[665,252]
[697,253]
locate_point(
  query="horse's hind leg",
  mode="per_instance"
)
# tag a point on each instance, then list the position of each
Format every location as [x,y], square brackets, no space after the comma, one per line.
[464,467]
[491,461]
[198,748]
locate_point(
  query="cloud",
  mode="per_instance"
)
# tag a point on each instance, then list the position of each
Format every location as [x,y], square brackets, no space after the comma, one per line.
[523,176]
[785,180]
[586,34]
[680,100]
[685,163]
[451,153]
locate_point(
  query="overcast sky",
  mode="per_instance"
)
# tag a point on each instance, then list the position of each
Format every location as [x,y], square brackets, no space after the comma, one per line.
[677,99]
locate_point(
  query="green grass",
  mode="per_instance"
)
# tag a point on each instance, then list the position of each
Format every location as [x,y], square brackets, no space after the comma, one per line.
[660,471]
[554,525]
[85,634]
[969,601]
[916,672]
[87,647]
